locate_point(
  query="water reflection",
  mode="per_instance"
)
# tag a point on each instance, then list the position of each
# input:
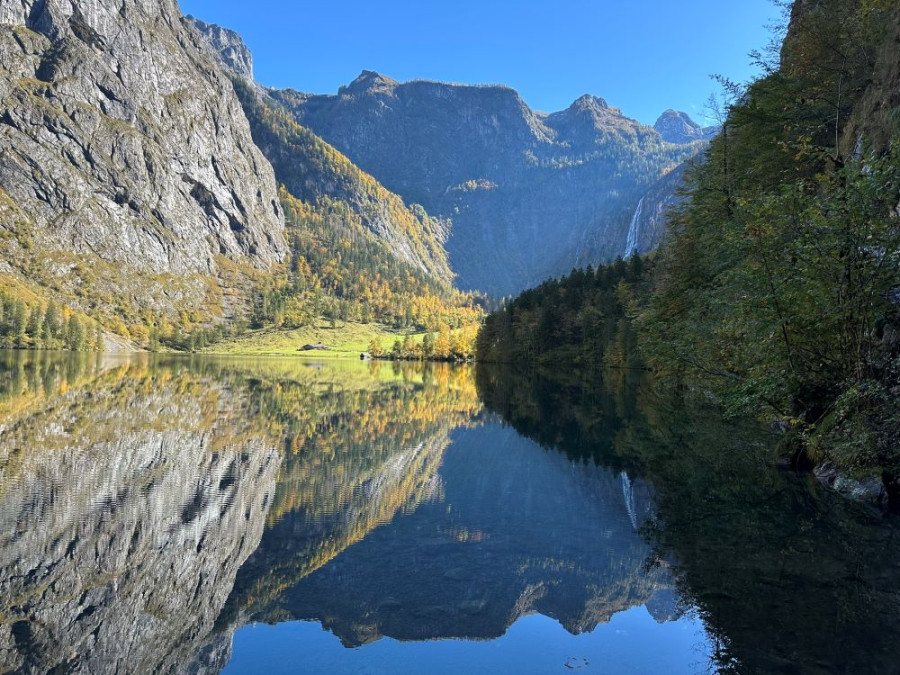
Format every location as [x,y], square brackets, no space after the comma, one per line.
[787,576]
[130,497]
[153,510]
[151,507]
[514,530]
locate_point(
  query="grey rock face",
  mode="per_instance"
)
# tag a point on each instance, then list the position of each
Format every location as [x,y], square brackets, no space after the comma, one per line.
[648,223]
[678,127]
[314,172]
[529,194]
[228,45]
[122,141]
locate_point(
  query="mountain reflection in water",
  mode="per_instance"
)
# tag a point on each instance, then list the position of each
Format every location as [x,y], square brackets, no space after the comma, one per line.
[153,510]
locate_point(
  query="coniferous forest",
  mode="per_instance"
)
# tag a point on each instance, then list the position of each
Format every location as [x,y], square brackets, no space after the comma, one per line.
[583,319]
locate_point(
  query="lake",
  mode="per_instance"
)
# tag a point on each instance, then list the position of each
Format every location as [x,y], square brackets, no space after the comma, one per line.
[188,514]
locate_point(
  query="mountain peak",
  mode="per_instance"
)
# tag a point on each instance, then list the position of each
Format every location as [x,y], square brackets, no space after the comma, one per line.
[589,102]
[227,46]
[677,127]
[370,81]
[678,115]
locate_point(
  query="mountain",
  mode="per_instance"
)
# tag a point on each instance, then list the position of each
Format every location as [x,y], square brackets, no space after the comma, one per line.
[129,180]
[320,176]
[317,173]
[648,223]
[529,194]
[227,47]
[141,164]
[678,127]
[379,257]
[135,191]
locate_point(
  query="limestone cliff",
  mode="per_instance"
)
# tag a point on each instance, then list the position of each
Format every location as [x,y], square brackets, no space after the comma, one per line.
[678,127]
[128,170]
[227,46]
[648,223]
[322,177]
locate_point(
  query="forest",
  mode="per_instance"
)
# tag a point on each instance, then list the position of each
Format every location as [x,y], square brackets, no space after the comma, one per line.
[336,271]
[35,325]
[583,319]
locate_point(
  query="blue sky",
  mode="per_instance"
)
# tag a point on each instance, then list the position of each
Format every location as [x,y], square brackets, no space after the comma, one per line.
[642,56]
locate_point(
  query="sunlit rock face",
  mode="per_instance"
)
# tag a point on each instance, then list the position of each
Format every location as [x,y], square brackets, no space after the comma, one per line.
[678,127]
[125,144]
[529,194]
[313,172]
[515,529]
[228,47]
[125,513]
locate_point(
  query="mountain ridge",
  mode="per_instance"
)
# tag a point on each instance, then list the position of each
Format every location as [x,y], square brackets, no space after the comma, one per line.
[377,256]
[141,185]
[335,177]
[529,194]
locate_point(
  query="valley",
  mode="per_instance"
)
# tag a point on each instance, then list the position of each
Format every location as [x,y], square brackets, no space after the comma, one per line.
[281,209]
[449,366]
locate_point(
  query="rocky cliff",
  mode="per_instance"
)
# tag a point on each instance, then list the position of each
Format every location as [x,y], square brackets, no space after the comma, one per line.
[226,46]
[322,177]
[648,223]
[529,194]
[128,170]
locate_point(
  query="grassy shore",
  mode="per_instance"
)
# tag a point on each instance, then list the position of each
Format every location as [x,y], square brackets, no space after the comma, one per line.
[345,340]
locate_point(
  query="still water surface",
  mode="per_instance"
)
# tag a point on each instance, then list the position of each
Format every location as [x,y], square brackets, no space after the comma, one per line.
[203,515]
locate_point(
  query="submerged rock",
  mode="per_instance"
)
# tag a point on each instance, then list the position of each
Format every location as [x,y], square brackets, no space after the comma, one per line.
[870,490]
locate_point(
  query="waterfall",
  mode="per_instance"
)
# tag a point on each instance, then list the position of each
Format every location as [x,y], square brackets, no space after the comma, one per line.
[631,242]
[628,492]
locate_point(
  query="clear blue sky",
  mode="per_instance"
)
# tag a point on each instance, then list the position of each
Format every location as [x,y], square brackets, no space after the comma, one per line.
[642,56]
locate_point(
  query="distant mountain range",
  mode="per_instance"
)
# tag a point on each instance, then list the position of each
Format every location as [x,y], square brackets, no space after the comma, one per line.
[529,194]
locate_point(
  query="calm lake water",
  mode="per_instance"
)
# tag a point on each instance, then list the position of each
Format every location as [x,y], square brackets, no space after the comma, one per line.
[205,515]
